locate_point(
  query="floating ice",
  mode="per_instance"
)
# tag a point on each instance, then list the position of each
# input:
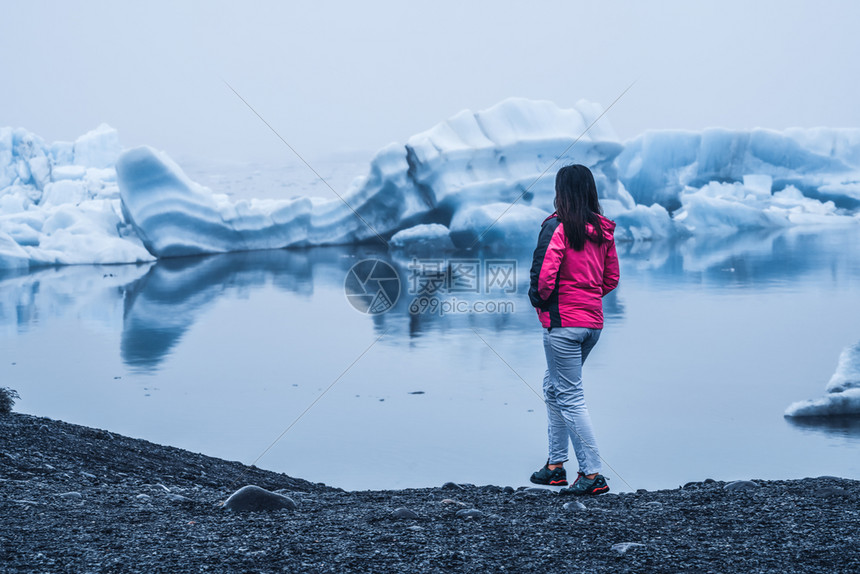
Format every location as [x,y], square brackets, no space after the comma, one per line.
[174,216]
[462,173]
[658,166]
[486,177]
[499,154]
[423,238]
[843,390]
[59,204]
[722,208]
[465,172]
[639,222]
[842,403]
[847,375]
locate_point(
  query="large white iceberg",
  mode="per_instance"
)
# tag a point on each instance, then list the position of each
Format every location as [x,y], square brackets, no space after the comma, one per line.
[457,174]
[501,153]
[842,392]
[486,177]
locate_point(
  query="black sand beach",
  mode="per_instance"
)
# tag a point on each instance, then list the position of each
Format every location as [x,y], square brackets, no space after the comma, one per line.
[76,499]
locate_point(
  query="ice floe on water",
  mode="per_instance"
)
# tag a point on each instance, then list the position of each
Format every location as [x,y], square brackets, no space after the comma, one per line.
[425,238]
[477,179]
[724,208]
[842,392]
[658,166]
[59,203]
[461,174]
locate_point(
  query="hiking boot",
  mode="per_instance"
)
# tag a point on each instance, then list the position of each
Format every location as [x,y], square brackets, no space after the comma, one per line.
[584,486]
[555,477]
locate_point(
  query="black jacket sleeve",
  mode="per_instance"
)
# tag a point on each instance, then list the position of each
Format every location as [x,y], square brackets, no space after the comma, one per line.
[546,232]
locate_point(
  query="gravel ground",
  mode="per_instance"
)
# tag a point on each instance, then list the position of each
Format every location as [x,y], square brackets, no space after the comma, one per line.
[76,499]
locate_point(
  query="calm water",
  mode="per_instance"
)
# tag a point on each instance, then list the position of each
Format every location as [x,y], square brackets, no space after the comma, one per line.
[705,345]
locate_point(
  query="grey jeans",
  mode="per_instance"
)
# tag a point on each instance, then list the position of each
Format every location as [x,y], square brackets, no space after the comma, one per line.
[566,349]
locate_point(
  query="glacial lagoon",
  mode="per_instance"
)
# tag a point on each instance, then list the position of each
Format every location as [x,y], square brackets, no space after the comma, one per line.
[260,357]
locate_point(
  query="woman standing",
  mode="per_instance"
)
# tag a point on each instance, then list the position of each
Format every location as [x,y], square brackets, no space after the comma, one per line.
[574,266]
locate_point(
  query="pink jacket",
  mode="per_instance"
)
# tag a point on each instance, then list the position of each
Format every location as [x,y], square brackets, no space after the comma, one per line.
[567,286]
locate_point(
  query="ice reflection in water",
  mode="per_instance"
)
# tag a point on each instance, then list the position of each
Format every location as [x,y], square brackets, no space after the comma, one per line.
[706,343]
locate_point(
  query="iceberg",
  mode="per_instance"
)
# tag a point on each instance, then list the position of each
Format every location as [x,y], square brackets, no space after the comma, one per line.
[724,208]
[497,223]
[842,391]
[477,180]
[450,175]
[640,223]
[506,153]
[60,205]
[657,166]
[173,216]
[487,177]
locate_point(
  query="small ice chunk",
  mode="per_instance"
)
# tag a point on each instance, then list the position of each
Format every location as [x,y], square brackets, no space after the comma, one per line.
[432,236]
[843,390]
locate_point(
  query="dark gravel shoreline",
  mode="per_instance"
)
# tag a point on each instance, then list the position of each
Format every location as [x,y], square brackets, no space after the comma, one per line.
[76,499]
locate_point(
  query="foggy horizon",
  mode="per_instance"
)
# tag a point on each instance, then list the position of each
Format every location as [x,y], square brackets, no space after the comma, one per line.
[350,79]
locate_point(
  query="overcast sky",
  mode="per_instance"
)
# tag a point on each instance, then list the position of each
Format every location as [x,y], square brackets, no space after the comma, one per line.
[336,76]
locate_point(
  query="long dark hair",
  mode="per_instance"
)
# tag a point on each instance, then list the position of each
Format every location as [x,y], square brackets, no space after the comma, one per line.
[577,204]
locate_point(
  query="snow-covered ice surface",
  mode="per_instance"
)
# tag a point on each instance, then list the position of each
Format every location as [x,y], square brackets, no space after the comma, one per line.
[174,216]
[842,392]
[462,173]
[486,177]
[658,166]
[59,203]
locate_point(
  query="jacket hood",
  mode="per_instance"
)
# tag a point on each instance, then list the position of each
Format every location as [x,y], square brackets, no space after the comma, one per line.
[607,226]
